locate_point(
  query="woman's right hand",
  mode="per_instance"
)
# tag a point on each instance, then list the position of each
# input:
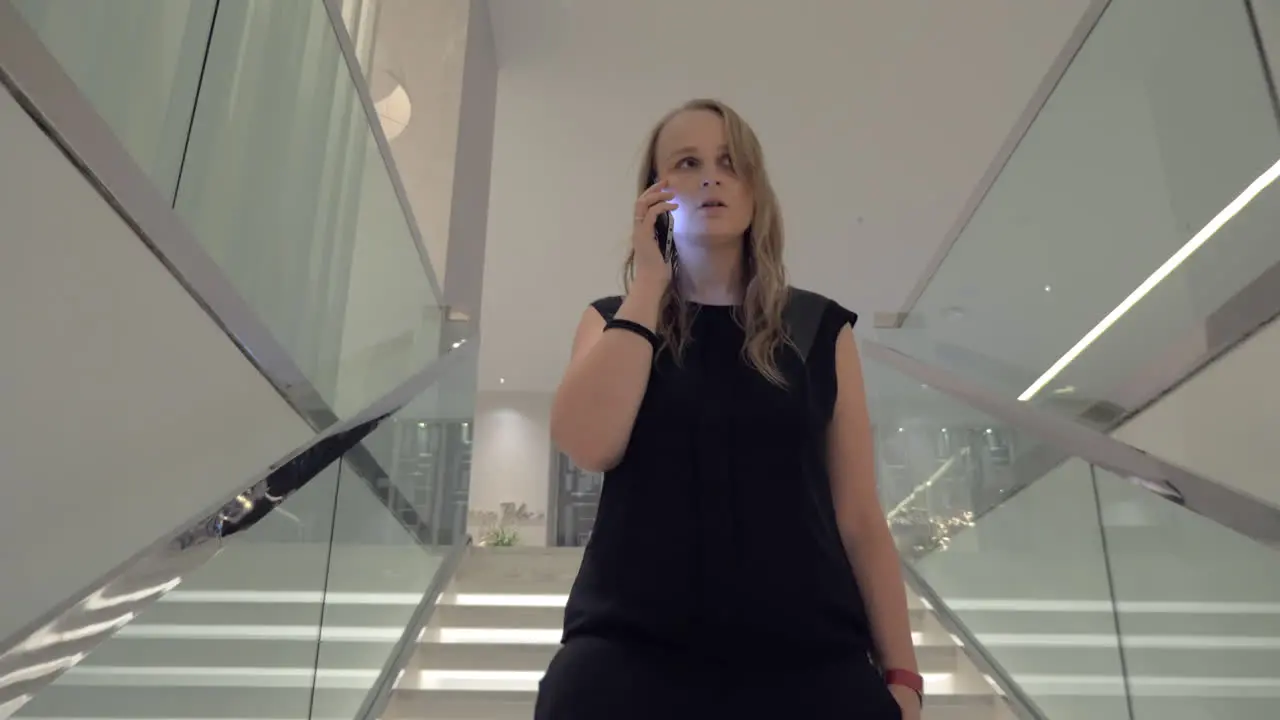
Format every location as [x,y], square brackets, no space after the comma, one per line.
[652,269]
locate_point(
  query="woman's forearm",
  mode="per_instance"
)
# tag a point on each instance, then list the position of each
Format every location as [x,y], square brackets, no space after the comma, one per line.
[876,566]
[596,404]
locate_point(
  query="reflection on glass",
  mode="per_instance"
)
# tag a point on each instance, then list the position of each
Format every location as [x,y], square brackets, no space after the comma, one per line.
[360,18]
[401,508]
[577,501]
[378,573]
[285,188]
[237,638]
[298,614]
[1005,531]
[1199,609]
[1029,580]
[941,464]
[1158,125]
[138,63]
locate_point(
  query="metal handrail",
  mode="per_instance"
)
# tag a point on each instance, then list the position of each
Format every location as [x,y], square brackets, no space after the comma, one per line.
[40,652]
[1245,514]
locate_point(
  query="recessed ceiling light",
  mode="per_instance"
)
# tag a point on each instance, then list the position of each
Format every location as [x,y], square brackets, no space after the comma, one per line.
[502,381]
[1048,288]
[1222,218]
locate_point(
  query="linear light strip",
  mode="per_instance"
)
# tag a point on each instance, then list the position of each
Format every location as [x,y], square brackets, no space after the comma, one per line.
[1155,278]
[549,600]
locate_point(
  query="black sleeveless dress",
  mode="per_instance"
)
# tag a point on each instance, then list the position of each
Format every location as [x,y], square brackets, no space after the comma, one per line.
[715,583]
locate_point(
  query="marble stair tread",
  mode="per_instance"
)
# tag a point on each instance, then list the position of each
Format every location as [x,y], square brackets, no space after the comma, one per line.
[536,657]
[518,705]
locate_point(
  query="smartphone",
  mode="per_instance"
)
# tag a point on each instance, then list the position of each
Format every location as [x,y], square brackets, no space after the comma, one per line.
[663,227]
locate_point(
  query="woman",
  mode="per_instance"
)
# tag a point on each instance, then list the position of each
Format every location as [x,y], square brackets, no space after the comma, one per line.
[740,564]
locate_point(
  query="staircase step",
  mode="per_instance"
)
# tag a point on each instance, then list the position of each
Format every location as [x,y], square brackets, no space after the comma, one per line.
[518,570]
[460,705]
[536,657]
[518,705]
[474,656]
[450,615]
[489,616]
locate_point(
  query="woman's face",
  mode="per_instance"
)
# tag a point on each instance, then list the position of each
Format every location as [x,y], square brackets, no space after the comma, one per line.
[692,155]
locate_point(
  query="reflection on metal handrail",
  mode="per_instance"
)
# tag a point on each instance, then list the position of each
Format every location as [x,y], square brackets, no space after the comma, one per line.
[39,653]
[1245,514]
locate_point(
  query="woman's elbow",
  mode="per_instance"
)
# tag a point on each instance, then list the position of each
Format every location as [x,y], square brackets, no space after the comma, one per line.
[593,464]
[864,528]
[587,452]
[589,459]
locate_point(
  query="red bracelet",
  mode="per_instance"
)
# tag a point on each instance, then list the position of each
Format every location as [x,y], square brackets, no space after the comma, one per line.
[912,681]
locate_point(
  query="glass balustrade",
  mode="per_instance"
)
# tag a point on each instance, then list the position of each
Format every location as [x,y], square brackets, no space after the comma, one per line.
[1096,596]
[245,114]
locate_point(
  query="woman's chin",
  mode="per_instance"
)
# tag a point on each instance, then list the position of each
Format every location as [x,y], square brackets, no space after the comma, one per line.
[713,235]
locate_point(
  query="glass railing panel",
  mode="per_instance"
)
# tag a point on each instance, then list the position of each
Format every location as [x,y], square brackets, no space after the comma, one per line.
[1199,609]
[236,638]
[1160,123]
[360,18]
[303,610]
[418,104]
[138,63]
[426,448]
[940,464]
[1029,580]
[246,115]
[285,188]
[1007,535]
[417,465]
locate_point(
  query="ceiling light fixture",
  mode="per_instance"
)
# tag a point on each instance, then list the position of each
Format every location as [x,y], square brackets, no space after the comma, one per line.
[394,112]
[1162,272]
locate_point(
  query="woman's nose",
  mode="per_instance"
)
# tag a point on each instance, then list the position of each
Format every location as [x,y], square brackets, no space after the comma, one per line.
[706,182]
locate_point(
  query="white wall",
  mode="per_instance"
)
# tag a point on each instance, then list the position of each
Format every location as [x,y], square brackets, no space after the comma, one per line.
[125,409]
[1224,422]
[511,459]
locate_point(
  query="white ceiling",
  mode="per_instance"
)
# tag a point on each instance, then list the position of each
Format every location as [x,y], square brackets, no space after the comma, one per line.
[878,117]
[1141,144]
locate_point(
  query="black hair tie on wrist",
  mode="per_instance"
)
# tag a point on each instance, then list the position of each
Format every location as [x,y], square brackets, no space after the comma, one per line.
[634,327]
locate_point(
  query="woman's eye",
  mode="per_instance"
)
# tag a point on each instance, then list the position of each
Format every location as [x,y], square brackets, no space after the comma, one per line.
[727,162]
[687,163]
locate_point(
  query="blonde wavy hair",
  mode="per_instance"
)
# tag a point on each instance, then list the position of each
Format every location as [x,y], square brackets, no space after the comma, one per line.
[764,278]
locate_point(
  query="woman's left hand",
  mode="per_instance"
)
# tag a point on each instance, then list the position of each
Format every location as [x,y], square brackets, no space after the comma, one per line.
[907,700]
